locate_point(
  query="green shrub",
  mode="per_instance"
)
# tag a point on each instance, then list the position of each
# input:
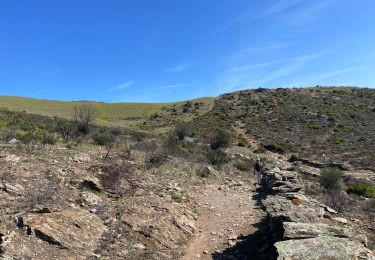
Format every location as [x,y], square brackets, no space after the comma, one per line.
[331,178]
[177,198]
[103,139]
[243,166]
[157,159]
[217,157]
[220,140]
[363,189]
[182,130]
[49,139]
[260,150]
[277,148]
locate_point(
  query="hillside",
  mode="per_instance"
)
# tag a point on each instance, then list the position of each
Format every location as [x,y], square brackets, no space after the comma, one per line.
[129,115]
[190,192]
[322,124]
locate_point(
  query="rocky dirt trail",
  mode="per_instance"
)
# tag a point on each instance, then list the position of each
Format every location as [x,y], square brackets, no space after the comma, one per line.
[228,212]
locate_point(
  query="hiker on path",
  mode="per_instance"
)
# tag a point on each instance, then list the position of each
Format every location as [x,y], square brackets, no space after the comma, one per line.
[258,170]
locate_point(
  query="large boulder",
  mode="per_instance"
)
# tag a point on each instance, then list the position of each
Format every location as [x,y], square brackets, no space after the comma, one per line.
[311,230]
[70,234]
[323,247]
[284,209]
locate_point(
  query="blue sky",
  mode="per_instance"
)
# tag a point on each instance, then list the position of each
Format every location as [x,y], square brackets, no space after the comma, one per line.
[167,50]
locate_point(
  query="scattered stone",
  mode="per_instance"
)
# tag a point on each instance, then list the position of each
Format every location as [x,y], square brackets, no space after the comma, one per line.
[90,198]
[341,220]
[14,141]
[330,210]
[12,158]
[82,158]
[140,246]
[92,183]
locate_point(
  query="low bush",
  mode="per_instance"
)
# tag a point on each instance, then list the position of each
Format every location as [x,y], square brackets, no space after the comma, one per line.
[217,157]
[112,177]
[369,209]
[260,150]
[157,159]
[102,139]
[221,139]
[362,189]
[243,166]
[48,139]
[182,130]
[331,178]
[66,130]
[277,148]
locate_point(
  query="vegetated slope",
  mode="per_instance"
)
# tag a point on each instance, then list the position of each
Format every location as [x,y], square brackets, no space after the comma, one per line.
[321,123]
[132,115]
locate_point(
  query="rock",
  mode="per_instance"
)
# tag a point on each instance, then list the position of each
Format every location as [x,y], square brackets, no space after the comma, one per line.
[140,246]
[341,220]
[310,230]
[123,253]
[205,252]
[82,158]
[185,224]
[16,189]
[70,234]
[92,183]
[14,141]
[279,207]
[323,247]
[330,210]
[12,158]
[90,198]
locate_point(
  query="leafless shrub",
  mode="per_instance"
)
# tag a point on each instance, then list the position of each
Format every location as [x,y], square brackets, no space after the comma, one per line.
[157,159]
[44,193]
[369,209]
[115,178]
[7,134]
[67,130]
[338,200]
[84,115]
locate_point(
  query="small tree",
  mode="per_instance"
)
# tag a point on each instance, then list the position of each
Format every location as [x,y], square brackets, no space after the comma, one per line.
[220,140]
[182,130]
[84,115]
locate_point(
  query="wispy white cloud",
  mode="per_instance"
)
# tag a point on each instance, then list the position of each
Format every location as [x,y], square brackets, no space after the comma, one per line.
[279,7]
[123,86]
[307,14]
[316,80]
[181,85]
[239,77]
[177,68]
[295,64]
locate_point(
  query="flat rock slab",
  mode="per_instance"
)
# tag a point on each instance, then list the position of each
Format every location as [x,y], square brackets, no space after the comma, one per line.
[311,230]
[281,207]
[58,235]
[324,247]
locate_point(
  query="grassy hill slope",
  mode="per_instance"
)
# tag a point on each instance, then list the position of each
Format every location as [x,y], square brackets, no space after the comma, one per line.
[130,115]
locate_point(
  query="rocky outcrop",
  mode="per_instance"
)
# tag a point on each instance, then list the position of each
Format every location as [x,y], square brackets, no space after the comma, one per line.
[70,234]
[298,227]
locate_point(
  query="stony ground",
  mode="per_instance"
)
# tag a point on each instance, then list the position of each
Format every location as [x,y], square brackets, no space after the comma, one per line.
[154,212]
[227,211]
